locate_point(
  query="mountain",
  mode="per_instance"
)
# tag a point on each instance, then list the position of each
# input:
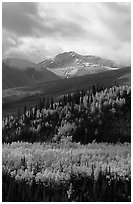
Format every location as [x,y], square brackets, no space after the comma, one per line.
[17,73]
[71,64]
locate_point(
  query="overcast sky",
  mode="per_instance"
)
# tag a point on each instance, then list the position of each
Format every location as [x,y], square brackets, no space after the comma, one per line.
[35,31]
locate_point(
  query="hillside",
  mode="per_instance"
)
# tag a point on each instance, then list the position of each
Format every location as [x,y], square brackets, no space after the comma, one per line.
[71,64]
[13,99]
[17,73]
[19,63]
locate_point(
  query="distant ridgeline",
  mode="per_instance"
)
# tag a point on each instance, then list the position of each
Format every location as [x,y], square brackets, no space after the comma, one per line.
[100,114]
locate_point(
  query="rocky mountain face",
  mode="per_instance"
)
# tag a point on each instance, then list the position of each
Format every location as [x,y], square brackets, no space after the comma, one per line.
[19,72]
[70,64]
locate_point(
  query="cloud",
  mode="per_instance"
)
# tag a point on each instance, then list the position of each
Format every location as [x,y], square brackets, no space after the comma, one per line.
[23,19]
[118,20]
[18,17]
[38,30]
[34,49]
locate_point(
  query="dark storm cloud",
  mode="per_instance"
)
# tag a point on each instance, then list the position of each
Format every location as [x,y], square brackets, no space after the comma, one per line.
[19,17]
[23,20]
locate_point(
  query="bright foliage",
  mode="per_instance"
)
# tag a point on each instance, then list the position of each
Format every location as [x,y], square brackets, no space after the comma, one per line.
[46,162]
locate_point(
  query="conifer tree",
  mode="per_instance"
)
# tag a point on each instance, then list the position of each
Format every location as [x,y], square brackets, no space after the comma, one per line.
[47,103]
[43,103]
[52,102]
[19,113]
[40,105]
[94,89]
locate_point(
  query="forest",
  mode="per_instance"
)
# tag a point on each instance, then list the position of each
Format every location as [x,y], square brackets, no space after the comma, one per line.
[77,148]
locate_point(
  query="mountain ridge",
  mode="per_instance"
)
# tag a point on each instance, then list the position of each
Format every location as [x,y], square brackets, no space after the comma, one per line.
[71,64]
[60,58]
[19,72]
[24,75]
[19,63]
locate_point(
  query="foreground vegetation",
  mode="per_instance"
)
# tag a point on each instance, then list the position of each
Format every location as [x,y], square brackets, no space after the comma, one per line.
[71,171]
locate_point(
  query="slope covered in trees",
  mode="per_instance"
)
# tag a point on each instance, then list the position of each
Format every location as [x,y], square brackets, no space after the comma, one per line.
[58,147]
[101,115]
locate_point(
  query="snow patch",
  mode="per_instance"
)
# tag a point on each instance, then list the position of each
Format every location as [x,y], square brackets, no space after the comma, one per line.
[74,71]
